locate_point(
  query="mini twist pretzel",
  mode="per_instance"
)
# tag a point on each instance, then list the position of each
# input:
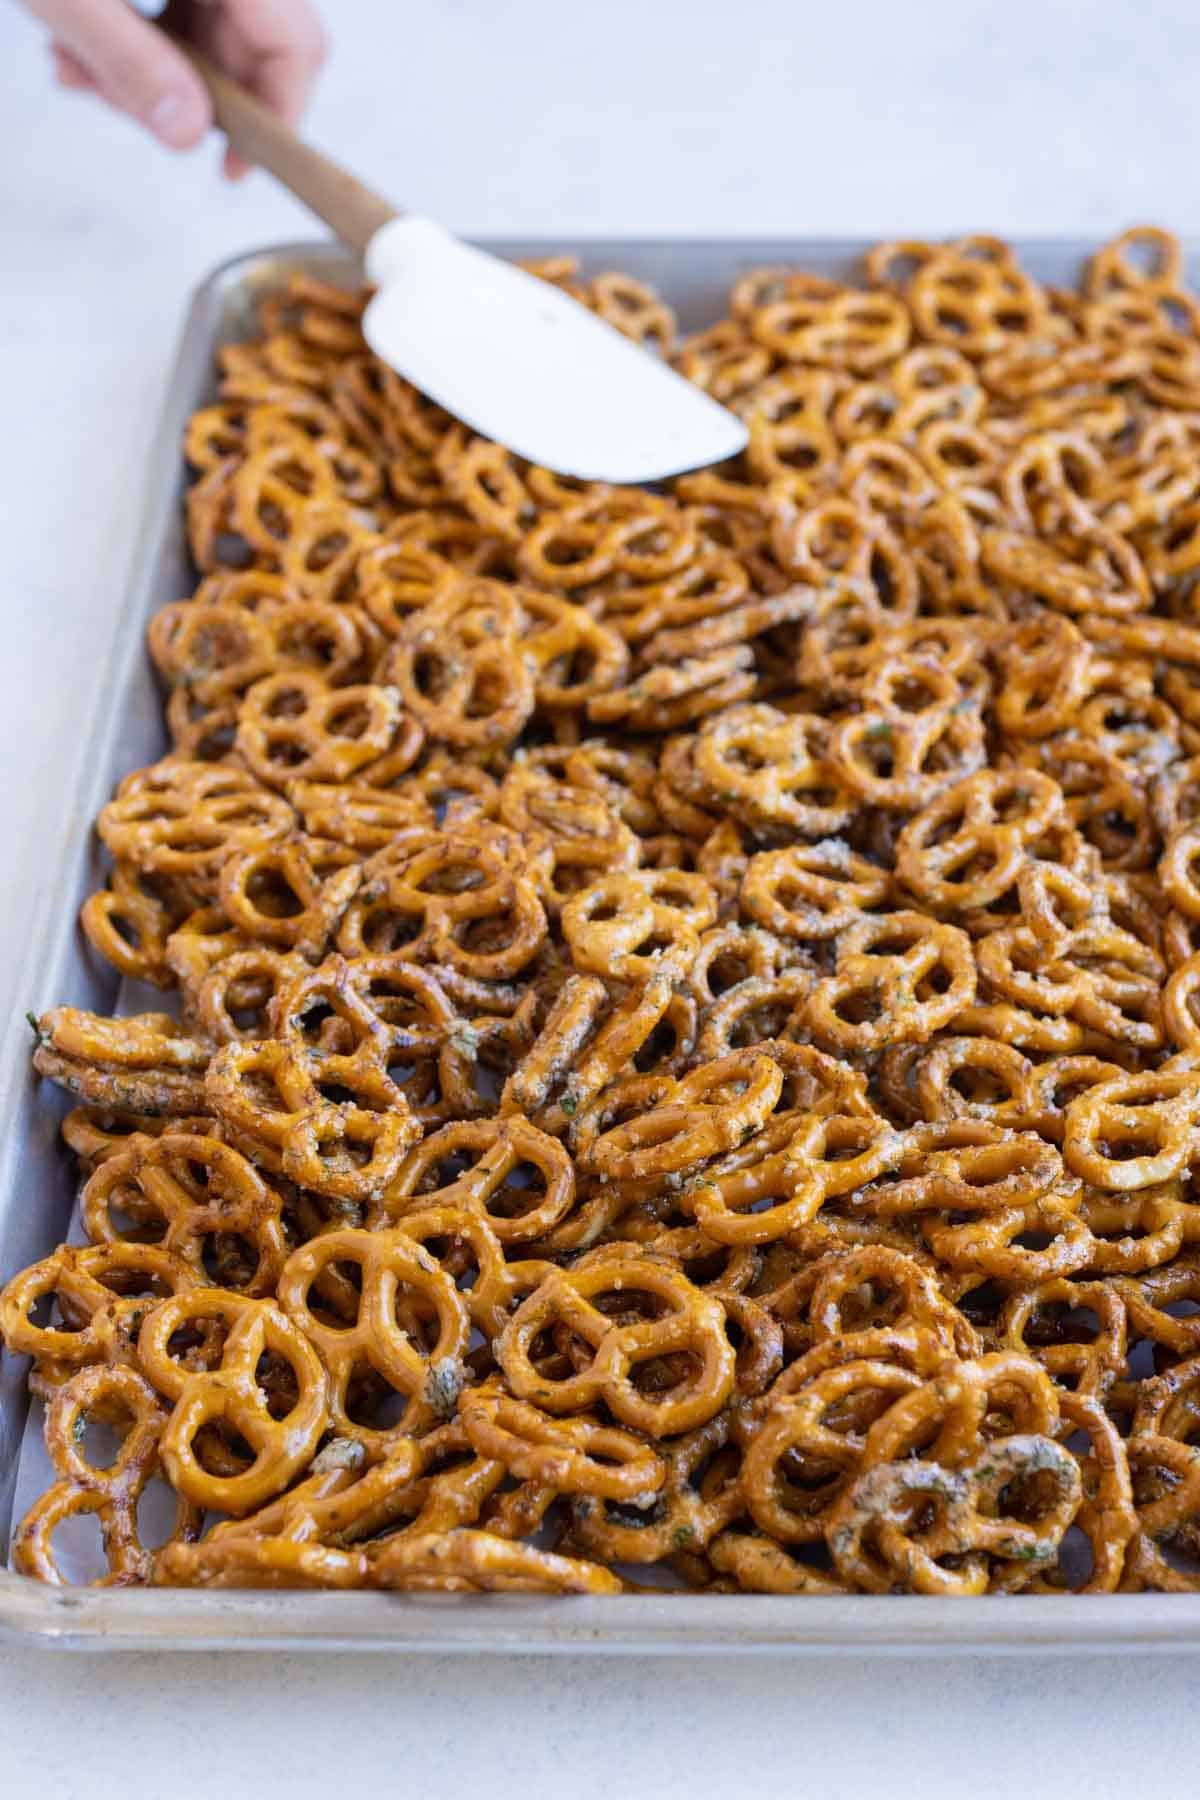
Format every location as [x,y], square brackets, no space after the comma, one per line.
[457,668]
[811,891]
[203,1196]
[111,1493]
[102,1292]
[885,971]
[636,925]
[248,1562]
[1046,666]
[183,818]
[967,847]
[796,1434]
[96,1132]
[383,1000]
[233,1001]
[129,923]
[395,1270]
[293,727]
[145,1063]
[291,893]
[480,1562]
[500,1148]
[914,732]
[1089,1356]
[972,1078]
[700,1496]
[1155,1114]
[466,1244]
[766,762]
[683,1320]
[573,1456]
[826,1157]
[280,1444]
[714,1108]
[988,1397]
[275,1098]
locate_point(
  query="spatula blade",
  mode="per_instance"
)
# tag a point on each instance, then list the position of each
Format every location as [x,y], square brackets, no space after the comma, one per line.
[522,363]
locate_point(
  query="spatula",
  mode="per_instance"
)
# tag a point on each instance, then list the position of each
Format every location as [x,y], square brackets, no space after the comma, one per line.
[513,357]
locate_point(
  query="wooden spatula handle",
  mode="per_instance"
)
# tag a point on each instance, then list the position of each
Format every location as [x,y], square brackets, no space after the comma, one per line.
[345,204]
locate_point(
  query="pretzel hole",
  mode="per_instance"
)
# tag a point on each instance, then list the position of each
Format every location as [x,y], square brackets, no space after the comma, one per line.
[41,1311]
[276,1381]
[384,929]
[221,1451]
[272,895]
[662,1379]
[350,719]
[230,1259]
[1137,1139]
[659,943]
[982,1305]
[77,1548]
[197,1344]
[1058,1322]
[522,1192]
[287,703]
[980,1087]
[156,1515]
[231,550]
[860,1006]
[875,749]
[660,1047]
[100,1432]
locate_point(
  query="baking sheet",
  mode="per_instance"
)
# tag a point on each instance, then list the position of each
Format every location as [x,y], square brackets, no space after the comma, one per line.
[37,1181]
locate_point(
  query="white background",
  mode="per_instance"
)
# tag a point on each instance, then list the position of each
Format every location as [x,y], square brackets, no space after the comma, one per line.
[628,116]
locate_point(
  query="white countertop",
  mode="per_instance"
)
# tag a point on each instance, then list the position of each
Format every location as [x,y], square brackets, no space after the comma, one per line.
[1040,116]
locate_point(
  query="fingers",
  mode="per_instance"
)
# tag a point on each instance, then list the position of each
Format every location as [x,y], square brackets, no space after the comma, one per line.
[69,72]
[275,48]
[104,44]
[289,48]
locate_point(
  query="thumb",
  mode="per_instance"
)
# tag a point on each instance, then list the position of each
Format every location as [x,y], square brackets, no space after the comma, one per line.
[135,66]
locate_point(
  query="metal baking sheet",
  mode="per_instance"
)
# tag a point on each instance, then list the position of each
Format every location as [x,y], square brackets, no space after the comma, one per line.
[37,1183]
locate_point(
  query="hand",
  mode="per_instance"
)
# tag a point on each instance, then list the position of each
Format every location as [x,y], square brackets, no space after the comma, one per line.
[273,47]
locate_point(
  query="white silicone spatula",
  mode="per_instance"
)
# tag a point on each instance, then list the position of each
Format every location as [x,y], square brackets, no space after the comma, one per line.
[516,359]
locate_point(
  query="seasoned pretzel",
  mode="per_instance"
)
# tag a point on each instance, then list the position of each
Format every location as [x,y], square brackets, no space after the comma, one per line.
[111,1493]
[689,1322]
[394,1272]
[281,1442]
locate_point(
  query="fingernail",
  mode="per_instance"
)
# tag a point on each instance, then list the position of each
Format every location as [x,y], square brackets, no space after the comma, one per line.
[170,120]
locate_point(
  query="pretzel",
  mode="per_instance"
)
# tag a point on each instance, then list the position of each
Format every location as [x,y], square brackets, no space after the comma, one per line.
[811,891]
[102,1292]
[480,1561]
[145,1063]
[574,1456]
[514,1213]
[689,1322]
[640,924]
[129,923]
[183,818]
[698,1498]
[395,1271]
[887,962]
[1158,1111]
[111,1493]
[280,1444]
[207,1199]
[269,1095]
[964,849]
